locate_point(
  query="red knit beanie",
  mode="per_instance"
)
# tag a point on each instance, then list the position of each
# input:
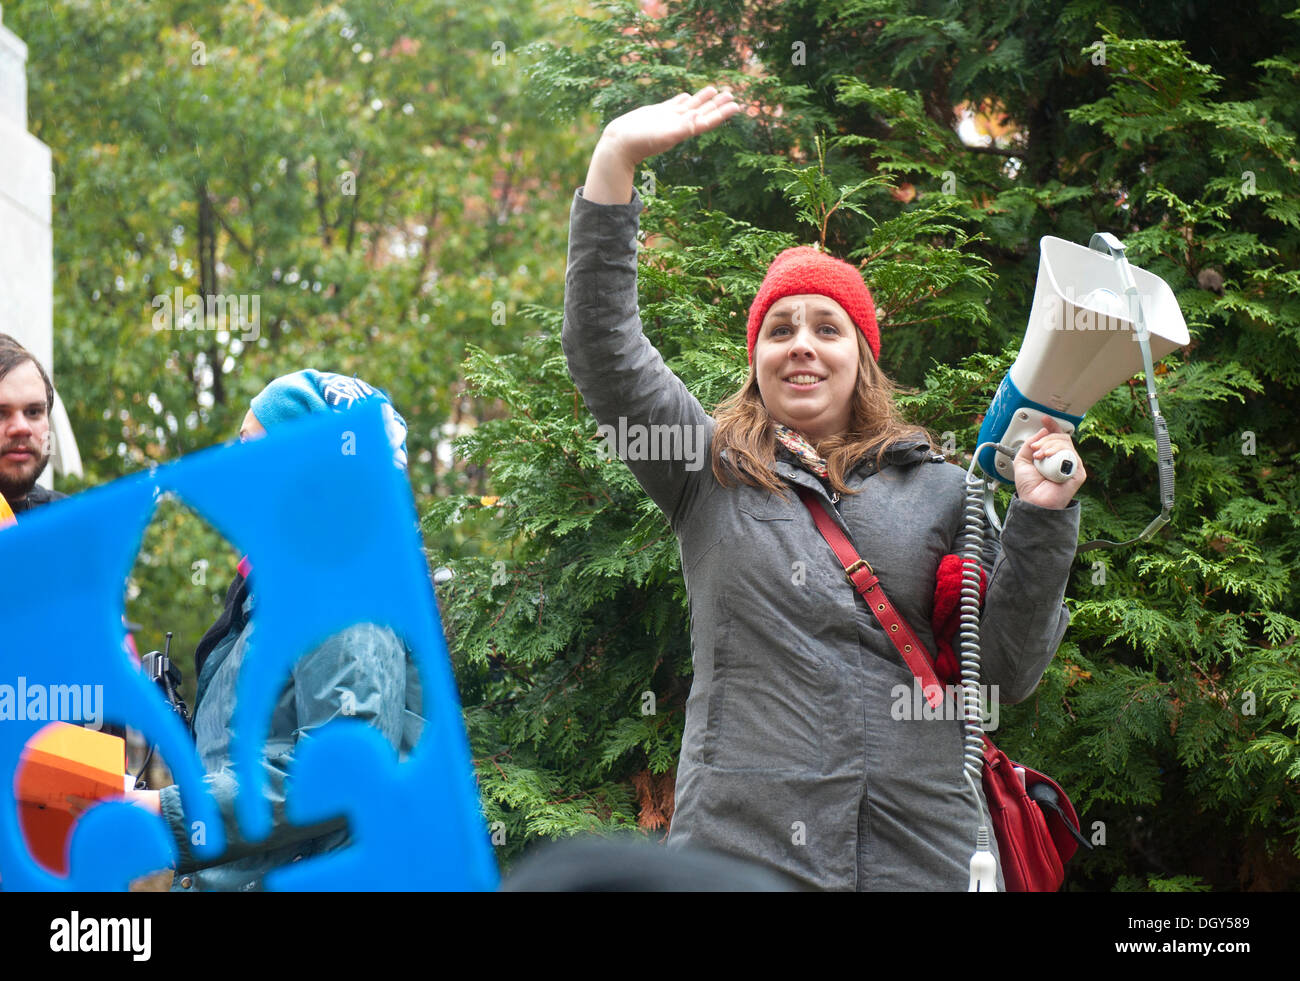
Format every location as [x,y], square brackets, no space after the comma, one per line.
[805,270]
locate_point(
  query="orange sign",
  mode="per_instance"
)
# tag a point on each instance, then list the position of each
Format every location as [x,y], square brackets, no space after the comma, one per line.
[64,759]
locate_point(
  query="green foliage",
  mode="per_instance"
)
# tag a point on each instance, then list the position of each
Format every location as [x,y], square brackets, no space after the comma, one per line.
[184,568]
[1171,712]
[379,177]
[1177,883]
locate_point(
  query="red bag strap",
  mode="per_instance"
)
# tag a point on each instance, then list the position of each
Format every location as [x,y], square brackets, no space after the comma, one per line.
[865,581]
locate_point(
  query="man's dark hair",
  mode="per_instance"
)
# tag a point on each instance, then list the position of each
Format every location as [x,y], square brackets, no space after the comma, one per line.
[13,355]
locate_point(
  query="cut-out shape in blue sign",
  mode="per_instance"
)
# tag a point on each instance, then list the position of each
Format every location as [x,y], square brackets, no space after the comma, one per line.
[330,526]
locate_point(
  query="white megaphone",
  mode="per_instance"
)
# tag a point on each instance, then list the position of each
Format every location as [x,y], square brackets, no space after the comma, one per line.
[1095,323]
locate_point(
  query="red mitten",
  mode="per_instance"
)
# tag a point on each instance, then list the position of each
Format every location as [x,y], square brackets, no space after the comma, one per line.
[947,616]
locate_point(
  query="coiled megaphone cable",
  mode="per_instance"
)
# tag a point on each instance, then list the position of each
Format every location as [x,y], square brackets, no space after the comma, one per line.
[979,496]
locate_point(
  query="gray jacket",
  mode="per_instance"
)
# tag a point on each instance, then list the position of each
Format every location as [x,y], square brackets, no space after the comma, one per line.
[794,752]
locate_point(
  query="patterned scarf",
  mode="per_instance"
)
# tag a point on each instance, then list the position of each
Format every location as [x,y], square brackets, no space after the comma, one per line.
[803,451]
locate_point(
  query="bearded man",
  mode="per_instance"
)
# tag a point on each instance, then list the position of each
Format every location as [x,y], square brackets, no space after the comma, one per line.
[26,400]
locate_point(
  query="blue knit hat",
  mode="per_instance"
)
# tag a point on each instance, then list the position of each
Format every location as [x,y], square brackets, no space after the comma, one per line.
[307,391]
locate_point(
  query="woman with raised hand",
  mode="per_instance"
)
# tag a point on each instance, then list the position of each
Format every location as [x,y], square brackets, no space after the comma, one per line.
[799,749]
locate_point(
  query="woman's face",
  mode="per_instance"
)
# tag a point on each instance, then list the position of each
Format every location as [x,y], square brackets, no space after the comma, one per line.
[806,363]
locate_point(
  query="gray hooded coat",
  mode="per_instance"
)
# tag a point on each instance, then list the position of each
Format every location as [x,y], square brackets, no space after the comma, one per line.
[802,747]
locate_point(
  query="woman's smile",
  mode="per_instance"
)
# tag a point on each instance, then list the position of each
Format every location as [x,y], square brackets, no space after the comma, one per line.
[804,382]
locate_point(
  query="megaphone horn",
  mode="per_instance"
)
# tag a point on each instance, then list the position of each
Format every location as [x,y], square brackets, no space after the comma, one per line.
[1092,316]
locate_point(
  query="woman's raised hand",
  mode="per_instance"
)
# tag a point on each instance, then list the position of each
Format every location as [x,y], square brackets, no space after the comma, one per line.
[646,131]
[649,130]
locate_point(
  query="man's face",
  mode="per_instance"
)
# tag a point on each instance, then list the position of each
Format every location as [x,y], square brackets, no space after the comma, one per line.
[806,362]
[24,431]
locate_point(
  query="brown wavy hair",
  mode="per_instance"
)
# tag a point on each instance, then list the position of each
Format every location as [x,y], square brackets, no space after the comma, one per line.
[746,430]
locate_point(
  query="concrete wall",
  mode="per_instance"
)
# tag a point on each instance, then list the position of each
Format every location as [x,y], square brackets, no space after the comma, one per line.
[26,240]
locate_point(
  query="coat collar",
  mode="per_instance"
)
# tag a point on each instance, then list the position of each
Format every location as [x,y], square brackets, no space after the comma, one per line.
[903,453]
[914,450]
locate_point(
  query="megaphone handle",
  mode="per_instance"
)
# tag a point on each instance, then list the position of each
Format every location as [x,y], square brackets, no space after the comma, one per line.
[1059,467]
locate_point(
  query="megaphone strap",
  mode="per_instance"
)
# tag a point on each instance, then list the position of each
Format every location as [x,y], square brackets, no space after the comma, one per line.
[1110,245]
